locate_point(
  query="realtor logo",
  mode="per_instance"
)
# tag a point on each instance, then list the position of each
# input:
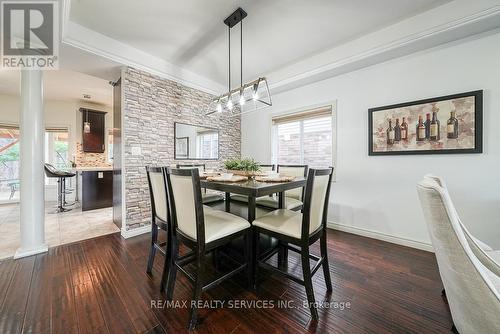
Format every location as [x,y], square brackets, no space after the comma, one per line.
[30,35]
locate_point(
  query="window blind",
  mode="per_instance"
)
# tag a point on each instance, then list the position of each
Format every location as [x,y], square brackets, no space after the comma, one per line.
[299,116]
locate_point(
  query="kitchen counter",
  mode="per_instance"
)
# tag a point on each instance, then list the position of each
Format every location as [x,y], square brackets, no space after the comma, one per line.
[92,169]
[96,186]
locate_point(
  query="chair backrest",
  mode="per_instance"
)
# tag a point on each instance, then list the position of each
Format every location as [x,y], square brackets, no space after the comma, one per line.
[200,167]
[51,171]
[294,170]
[158,194]
[470,287]
[186,203]
[267,168]
[316,198]
[474,243]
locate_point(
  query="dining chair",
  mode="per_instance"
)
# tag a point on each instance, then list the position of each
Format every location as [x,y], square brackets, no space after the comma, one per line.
[208,197]
[202,231]
[243,198]
[472,289]
[298,231]
[159,219]
[293,198]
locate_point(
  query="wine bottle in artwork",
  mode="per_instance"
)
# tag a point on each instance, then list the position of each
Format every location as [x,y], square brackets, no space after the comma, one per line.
[428,126]
[420,130]
[404,129]
[390,134]
[434,129]
[397,131]
[452,126]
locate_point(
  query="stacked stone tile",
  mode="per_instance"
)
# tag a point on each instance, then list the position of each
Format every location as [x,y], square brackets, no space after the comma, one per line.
[151,105]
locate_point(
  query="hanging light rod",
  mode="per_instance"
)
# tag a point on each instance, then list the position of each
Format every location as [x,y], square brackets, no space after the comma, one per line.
[256,90]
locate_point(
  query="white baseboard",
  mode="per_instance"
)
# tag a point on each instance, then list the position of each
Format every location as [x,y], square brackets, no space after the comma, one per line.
[20,253]
[135,232]
[381,236]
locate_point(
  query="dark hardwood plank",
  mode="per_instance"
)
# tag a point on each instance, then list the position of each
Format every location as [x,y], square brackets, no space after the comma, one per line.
[100,286]
[112,307]
[88,311]
[38,311]
[64,318]
[7,270]
[14,305]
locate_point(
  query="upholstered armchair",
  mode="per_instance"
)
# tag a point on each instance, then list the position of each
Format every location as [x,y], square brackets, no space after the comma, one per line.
[472,288]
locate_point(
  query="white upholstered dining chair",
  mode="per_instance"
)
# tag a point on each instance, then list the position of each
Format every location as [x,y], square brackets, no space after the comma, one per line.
[201,230]
[472,288]
[298,231]
[294,197]
[208,197]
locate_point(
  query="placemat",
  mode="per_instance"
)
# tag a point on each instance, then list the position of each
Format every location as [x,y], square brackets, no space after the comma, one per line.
[275,179]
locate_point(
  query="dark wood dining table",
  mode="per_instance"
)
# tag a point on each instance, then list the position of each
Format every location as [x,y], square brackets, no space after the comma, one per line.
[253,189]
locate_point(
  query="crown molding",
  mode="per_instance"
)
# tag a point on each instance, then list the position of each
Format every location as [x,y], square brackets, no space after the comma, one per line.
[453,21]
[472,24]
[80,37]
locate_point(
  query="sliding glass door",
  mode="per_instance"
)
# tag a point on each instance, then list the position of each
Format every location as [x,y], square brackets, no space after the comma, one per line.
[9,163]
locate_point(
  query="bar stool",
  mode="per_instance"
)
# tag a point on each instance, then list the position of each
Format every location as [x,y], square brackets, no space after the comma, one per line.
[52,172]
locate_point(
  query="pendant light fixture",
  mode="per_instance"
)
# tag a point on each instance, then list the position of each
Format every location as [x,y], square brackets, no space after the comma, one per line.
[252,94]
[86,124]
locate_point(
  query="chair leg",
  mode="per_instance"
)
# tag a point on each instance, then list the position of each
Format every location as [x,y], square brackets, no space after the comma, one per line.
[255,258]
[248,258]
[200,273]
[152,250]
[172,273]
[306,270]
[167,265]
[325,265]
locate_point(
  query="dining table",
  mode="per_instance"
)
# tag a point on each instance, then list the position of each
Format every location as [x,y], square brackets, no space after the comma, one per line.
[253,189]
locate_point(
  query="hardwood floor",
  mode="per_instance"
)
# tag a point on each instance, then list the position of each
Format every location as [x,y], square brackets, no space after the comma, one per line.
[100,286]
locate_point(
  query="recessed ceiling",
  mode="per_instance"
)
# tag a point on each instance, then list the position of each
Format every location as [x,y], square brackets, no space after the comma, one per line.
[62,85]
[191,35]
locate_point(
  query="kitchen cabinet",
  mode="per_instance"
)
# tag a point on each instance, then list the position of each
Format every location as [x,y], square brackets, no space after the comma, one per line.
[93,141]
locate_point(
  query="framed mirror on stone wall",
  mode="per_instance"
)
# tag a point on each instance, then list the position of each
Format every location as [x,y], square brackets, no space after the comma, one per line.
[195,142]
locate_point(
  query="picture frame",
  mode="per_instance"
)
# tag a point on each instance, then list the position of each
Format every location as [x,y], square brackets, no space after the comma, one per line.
[182,147]
[457,130]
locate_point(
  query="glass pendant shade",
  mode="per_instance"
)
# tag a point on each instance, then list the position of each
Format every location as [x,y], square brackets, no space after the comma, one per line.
[86,127]
[251,96]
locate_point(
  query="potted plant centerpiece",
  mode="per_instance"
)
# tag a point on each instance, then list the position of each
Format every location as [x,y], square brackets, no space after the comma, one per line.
[244,167]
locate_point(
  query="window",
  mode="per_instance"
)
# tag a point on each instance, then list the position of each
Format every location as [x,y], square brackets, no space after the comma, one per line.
[208,145]
[56,149]
[9,163]
[303,138]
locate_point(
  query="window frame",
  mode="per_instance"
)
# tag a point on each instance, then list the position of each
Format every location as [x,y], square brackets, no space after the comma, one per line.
[304,110]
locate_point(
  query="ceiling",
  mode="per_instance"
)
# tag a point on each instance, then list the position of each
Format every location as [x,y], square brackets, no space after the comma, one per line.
[190,33]
[62,85]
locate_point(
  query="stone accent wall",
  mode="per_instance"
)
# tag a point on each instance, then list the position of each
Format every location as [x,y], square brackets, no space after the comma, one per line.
[151,105]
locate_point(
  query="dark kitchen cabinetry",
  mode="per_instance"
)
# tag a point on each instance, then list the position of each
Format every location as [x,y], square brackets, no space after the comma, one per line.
[97,189]
[94,140]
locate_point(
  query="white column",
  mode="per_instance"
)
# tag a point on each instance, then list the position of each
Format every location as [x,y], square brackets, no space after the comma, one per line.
[32,194]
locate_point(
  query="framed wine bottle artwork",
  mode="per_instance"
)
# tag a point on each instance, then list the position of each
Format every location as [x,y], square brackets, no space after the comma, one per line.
[440,125]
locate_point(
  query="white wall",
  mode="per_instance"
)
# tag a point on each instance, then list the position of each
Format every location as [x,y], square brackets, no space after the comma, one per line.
[378,193]
[56,113]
